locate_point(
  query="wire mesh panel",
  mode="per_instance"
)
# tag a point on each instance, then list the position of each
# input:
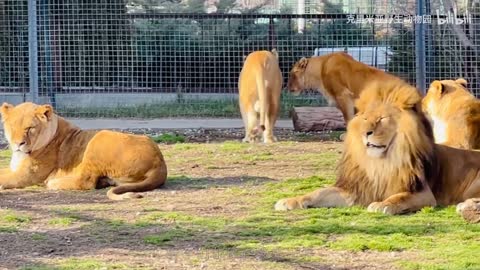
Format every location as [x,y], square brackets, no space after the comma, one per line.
[182,58]
[144,59]
[14,75]
[453,40]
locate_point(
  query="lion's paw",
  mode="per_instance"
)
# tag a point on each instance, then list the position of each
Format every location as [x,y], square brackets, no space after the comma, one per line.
[53,184]
[270,140]
[471,204]
[287,204]
[384,208]
[470,210]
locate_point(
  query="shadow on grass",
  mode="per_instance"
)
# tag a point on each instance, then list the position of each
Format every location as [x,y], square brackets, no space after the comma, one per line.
[24,198]
[99,234]
[263,235]
[178,231]
[186,183]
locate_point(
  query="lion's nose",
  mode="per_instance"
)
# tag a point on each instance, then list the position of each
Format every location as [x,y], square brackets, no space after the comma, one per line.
[369,133]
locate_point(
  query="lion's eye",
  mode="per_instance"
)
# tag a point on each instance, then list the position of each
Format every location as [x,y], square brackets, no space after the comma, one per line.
[30,130]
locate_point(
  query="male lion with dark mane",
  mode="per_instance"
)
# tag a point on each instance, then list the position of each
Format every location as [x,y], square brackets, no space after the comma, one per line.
[454,113]
[48,149]
[390,162]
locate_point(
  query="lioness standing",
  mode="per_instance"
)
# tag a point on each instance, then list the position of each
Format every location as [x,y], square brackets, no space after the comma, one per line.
[259,86]
[48,149]
[338,76]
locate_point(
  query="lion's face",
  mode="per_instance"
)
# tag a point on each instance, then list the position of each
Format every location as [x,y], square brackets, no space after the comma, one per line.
[296,77]
[376,128]
[28,127]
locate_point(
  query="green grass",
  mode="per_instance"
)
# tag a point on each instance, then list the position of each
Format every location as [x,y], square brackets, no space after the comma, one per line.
[39,237]
[169,138]
[62,221]
[78,264]
[8,217]
[167,237]
[428,234]
[8,229]
[433,238]
[187,108]
[234,146]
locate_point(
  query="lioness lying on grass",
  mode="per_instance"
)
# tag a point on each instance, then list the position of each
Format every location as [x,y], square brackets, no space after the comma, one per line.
[47,148]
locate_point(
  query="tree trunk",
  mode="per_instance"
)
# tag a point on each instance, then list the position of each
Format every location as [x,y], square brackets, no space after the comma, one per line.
[317,119]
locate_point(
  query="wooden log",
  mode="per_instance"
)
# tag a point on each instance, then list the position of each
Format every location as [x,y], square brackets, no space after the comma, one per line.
[317,119]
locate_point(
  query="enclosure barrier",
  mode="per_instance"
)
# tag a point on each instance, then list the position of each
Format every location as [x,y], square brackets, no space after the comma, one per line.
[107,59]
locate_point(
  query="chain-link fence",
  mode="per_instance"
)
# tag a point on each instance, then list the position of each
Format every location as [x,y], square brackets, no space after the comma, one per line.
[174,58]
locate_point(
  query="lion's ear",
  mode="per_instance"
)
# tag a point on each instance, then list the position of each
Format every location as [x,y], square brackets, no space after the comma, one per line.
[244,58]
[44,112]
[6,107]
[462,82]
[275,53]
[438,86]
[303,63]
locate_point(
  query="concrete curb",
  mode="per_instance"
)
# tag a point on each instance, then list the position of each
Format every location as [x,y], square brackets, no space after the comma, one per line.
[167,123]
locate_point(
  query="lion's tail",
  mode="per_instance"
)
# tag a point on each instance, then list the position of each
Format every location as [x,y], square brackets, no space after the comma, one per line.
[154,179]
[262,97]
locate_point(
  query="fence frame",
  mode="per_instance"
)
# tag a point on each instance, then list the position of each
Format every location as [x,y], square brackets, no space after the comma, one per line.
[33,50]
[421,32]
[420,48]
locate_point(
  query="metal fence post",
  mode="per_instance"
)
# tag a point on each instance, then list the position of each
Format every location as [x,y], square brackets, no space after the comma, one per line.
[33,49]
[420,48]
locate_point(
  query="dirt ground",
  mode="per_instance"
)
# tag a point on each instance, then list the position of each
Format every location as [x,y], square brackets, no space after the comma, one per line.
[190,223]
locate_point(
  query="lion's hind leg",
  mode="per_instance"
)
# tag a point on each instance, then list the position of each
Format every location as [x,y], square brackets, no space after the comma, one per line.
[251,130]
[73,182]
[345,103]
[270,120]
[154,178]
[324,197]
[245,122]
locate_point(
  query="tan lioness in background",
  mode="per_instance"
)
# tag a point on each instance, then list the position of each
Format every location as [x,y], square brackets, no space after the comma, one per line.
[260,86]
[454,113]
[47,148]
[338,76]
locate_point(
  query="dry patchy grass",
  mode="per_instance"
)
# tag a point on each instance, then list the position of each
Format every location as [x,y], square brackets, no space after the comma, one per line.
[216,212]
